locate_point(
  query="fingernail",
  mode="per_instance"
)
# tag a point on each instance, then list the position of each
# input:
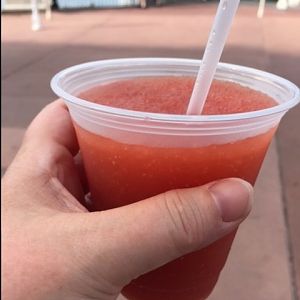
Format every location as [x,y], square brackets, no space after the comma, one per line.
[233,197]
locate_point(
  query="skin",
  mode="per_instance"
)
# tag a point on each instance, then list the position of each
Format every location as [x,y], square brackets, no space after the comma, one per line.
[53,248]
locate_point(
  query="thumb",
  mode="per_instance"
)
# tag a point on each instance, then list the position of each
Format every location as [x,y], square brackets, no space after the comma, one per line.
[145,235]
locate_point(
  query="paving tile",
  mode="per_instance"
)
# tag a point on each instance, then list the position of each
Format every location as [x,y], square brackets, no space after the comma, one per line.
[18,33]
[281,40]
[11,139]
[289,150]
[285,61]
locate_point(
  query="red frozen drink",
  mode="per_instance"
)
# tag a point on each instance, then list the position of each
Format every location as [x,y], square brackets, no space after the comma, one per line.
[122,173]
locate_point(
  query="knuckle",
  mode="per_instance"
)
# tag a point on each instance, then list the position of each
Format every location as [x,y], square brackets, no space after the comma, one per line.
[188,218]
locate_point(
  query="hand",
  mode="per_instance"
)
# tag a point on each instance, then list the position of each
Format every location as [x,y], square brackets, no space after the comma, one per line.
[53,248]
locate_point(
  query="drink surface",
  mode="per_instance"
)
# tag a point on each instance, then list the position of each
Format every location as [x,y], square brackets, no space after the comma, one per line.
[172,94]
[119,173]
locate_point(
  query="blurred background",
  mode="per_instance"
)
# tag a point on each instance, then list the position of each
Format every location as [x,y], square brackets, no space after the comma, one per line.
[39,38]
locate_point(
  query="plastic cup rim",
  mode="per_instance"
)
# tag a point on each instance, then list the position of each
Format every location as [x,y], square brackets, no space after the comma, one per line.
[71,99]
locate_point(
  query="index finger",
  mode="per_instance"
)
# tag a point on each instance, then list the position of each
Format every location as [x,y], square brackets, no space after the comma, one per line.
[54,123]
[44,165]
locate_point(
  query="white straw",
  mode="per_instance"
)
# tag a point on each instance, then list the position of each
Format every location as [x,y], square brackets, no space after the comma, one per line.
[216,41]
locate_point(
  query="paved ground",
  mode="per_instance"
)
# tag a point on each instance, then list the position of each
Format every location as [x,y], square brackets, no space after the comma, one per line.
[265,261]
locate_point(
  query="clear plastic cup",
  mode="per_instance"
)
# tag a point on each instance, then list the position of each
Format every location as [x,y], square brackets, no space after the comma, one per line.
[130,155]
